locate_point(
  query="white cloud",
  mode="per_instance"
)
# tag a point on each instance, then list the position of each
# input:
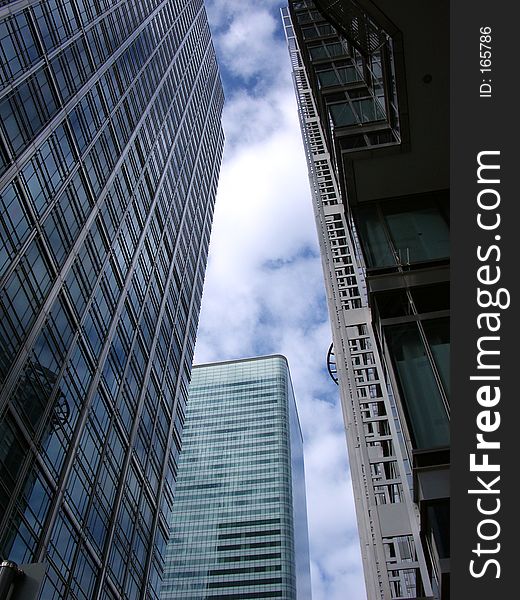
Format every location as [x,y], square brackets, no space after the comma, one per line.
[249,45]
[264,284]
[248,41]
[221,13]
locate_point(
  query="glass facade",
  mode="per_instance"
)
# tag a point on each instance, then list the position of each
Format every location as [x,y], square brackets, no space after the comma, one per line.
[239,522]
[405,231]
[426,410]
[415,325]
[110,148]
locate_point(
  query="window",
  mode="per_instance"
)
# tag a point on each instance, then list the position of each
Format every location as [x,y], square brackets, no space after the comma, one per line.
[354,112]
[338,76]
[438,334]
[408,231]
[418,234]
[427,416]
[317,31]
[324,50]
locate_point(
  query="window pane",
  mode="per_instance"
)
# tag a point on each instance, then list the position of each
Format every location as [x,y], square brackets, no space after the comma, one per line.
[427,416]
[368,110]
[342,114]
[342,75]
[420,234]
[438,335]
[327,51]
[318,52]
[327,78]
[348,74]
[430,298]
[373,238]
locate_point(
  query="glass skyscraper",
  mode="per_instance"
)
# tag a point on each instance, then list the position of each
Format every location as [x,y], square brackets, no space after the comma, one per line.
[239,522]
[110,149]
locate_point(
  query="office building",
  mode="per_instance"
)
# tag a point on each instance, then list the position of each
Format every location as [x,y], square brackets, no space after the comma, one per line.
[239,522]
[110,148]
[372,81]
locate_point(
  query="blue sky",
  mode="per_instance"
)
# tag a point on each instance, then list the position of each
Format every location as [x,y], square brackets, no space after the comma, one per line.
[264,288]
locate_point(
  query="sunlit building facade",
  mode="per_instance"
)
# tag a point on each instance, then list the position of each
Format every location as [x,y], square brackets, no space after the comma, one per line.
[372,83]
[110,149]
[239,523]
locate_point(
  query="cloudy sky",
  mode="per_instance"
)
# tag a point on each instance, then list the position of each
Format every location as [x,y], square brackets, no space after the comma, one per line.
[264,288]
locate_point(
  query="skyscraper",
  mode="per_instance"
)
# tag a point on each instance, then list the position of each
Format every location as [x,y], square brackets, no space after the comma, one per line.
[371,81]
[239,522]
[110,148]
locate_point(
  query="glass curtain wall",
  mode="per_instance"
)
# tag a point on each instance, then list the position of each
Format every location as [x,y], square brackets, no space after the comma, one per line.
[110,147]
[239,523]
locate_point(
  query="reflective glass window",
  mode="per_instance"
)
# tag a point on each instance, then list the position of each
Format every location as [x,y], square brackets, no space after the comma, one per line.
[427,416]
